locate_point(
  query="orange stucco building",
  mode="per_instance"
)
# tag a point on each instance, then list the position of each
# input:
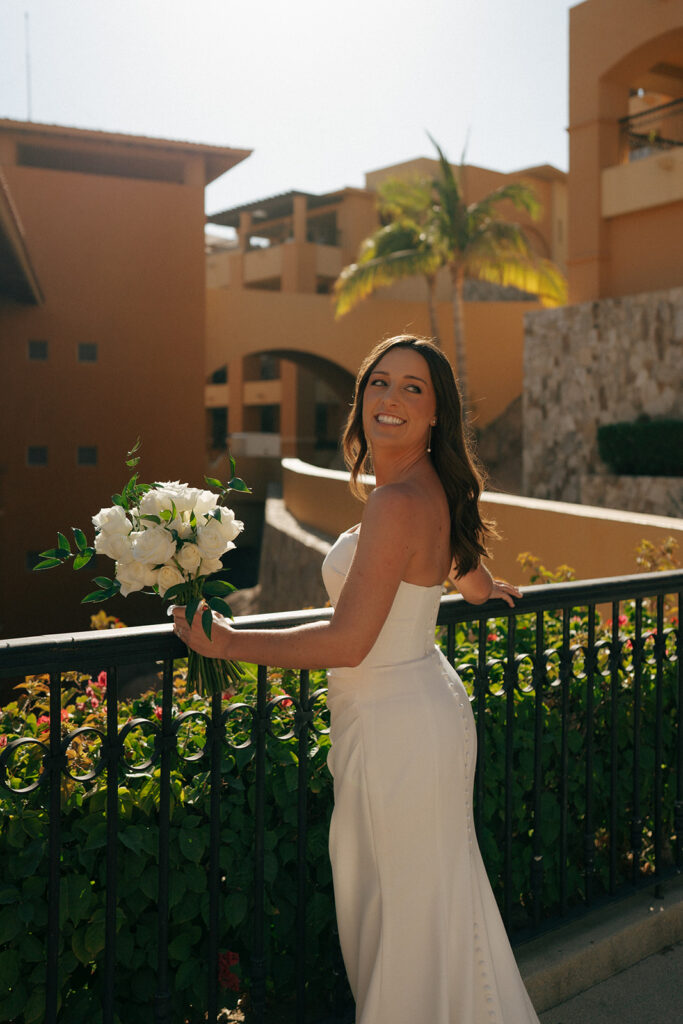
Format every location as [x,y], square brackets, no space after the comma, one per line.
[102,323]
[626,148]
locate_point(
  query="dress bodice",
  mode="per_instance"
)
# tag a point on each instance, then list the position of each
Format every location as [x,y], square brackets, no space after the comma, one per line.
[408,632]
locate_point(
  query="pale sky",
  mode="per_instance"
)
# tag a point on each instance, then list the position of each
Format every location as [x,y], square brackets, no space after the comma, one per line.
[321,91]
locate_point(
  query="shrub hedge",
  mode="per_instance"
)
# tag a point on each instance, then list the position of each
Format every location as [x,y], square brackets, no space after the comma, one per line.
[643,447]
[23,830]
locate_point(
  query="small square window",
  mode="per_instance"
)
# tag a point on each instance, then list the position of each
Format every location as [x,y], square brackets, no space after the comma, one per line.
[87,455]
[36,455]
[37,350]
[87,352]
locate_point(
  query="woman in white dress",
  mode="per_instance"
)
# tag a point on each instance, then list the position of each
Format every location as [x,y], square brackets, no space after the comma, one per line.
[420,931]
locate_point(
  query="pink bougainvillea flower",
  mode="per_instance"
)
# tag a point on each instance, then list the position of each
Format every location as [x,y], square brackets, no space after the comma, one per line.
[3,741]
[286,703]
[227,978]
[158,711]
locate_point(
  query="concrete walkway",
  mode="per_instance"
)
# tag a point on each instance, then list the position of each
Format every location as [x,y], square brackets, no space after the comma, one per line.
[623,963]
[650,992]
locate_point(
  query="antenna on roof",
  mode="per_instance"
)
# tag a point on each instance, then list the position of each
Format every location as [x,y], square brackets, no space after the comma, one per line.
[28,65]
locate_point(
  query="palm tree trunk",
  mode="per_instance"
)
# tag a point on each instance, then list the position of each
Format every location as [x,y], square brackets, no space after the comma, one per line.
[458,279]
[431,300]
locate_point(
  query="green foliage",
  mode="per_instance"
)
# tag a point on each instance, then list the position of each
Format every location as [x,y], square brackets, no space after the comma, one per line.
[23,820]
[643,447]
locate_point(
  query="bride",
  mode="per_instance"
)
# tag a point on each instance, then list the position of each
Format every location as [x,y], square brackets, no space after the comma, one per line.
[420,931]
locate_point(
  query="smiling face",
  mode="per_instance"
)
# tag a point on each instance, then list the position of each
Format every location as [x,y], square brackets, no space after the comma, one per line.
[399,402]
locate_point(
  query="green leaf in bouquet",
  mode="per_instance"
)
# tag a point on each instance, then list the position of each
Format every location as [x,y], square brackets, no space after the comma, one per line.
[103,582]
[233,466]
[191,609]
[119,500]
[213,482]
[131,463]
[216,588]
[174,591]
[59,553]
[219,605]
[207,622]
[96,595]
[83,558]
[63,543]
[237,484]
[136,447]
[151,518]
[47,563]
[193,520]
[79,537]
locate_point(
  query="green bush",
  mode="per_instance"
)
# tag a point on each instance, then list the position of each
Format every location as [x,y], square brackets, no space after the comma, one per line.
[23,829]
[643,447]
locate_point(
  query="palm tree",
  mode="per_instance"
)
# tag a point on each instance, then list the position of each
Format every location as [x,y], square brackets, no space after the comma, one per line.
[402,247]
[438,229]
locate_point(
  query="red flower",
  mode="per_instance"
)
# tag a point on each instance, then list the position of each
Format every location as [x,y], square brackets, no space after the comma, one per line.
[493,636]
[102,679]
[43,720]
[158,711]
[227,978]
[3,741]
[286,702]
[65,714]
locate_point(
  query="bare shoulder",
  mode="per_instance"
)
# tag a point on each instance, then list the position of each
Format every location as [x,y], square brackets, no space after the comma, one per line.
[392,500]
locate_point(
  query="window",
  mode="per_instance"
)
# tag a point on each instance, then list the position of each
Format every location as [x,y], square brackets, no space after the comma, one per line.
[87,352]
[87,455]
[37,350]
[36,455]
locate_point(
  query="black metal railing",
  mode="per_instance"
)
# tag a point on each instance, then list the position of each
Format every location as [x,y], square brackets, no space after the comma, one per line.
[659,128]
[578,792]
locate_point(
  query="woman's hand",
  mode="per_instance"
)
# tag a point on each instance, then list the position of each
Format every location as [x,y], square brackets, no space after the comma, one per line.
[506,591]
[195,637]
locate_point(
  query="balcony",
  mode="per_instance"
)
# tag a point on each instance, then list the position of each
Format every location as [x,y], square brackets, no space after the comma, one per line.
[578,794]
[653,175]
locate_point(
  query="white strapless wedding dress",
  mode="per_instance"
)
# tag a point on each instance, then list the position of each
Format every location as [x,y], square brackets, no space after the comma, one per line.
[422,939]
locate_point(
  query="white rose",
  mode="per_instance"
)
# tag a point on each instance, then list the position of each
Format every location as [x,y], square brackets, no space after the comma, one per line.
[212,539]
[154,546]
[211,565]
[154,502]
[114,545]
[167,577]
[112,520]
[181,527]
[133,576]
[231,527]
[204,502]
[182,496]
[189,557]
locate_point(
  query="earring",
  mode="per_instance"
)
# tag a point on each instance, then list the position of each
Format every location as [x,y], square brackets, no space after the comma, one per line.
[429,441]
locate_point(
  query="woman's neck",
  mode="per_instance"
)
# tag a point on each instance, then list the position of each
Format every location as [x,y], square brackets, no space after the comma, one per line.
[390,468]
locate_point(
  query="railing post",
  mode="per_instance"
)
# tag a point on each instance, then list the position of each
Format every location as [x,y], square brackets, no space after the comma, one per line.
[55,762]
[258,960]
[162,1000]
[588,831]
[217,732]
[113,753]
[302,730]
[539,677]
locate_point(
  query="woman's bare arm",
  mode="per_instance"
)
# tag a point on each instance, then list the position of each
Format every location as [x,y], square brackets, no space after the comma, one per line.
[479,586]
[384,549]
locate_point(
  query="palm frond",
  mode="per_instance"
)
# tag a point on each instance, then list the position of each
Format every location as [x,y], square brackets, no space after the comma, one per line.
[359,280]
[537,276]
[401,199]
[521,196]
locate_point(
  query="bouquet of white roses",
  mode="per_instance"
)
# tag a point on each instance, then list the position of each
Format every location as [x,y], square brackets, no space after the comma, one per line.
[167,539]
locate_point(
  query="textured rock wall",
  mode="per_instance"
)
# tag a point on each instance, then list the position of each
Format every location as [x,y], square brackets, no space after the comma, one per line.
[290,565]
[654,495]
[589,364]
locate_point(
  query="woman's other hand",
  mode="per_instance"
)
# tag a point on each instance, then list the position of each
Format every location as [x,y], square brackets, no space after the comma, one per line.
[506,591]
[194,637]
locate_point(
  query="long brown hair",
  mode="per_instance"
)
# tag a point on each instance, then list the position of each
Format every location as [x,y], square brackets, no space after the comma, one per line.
[451,452]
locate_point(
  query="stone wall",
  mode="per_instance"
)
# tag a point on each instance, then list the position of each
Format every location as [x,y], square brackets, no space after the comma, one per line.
[589,364]
[290,564]
[654,495]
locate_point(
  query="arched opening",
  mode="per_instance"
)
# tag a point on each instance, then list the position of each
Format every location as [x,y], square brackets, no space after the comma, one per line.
[279,402]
